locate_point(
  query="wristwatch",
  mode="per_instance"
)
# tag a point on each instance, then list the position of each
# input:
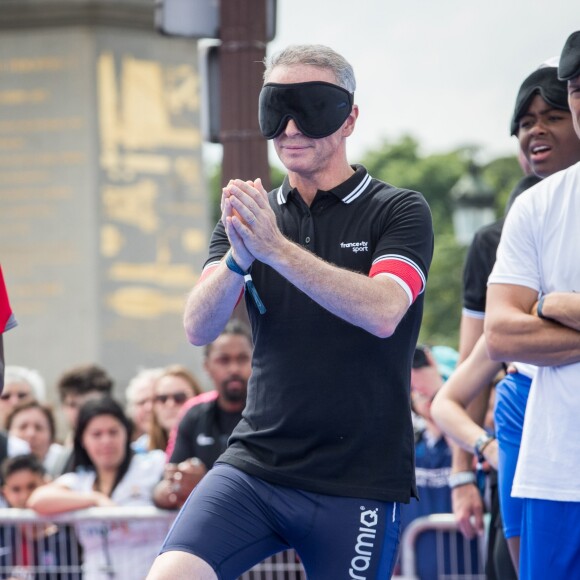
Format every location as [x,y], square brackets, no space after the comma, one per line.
[482,442]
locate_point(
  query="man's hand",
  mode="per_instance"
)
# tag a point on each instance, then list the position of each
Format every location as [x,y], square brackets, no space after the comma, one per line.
[467,504]
[255,222]
[188,474]
[240,252]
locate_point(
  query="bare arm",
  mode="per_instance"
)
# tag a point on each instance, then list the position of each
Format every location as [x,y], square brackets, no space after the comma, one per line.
[514,333]
[212,301]
[449,406]
[470,330]
[562,307]
[374,304]
[210,304]
[54,498]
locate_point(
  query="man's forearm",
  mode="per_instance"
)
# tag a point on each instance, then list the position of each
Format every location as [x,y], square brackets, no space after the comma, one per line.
[210,305]
[374,304]
[514,334]
[562,307]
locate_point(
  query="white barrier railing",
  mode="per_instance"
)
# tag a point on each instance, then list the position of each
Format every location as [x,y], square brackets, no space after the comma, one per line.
[34,547]
[449,549]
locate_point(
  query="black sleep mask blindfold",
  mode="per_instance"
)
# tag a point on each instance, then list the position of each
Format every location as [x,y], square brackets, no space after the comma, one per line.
[317,108]
[545,82]
[570,58]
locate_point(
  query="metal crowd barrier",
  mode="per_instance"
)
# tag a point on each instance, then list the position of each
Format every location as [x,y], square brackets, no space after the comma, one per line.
[34,547]
[453,556]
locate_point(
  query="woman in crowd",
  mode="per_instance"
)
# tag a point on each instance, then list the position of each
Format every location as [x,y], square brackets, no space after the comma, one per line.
[175,386]
[34,422]
[108,473]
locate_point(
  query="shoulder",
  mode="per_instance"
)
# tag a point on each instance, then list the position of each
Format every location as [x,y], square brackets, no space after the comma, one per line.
[198,410]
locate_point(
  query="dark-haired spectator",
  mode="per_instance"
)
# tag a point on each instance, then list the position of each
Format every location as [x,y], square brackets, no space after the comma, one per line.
[79,384]
[172,389]
[34,423]
[26,550]
[76,386]
[107,473]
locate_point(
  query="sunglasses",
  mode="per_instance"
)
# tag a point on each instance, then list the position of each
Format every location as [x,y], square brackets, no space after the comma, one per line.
[8,396]
[178,398]
[317,108]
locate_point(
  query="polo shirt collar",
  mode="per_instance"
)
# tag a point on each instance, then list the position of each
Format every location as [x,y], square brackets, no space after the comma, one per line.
[348,191]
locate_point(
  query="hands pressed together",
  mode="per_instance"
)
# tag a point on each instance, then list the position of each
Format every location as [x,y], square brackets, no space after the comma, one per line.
[249,222]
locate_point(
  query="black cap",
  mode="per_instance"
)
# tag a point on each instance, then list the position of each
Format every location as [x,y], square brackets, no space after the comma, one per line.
[545,82]
[569,66]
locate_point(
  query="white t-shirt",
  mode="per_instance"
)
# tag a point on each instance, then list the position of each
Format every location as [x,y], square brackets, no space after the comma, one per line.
[127,548]
[540,249]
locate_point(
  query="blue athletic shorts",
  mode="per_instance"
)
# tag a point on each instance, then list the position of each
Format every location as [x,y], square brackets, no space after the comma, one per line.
[550,543]
[511,397]
[233,521]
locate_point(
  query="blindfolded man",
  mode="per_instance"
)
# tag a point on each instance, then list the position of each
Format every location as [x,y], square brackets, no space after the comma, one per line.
[334,264]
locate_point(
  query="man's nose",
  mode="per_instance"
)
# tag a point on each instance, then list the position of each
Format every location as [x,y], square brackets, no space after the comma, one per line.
[291,128]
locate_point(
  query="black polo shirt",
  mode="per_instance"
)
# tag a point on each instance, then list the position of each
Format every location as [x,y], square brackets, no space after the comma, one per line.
[203,432]
[328,403]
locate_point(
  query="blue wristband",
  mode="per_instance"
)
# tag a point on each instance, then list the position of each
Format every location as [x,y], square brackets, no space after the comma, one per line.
[540,308]
[248,282]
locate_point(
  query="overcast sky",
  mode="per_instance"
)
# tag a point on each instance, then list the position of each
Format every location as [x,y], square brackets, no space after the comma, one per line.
[445,71]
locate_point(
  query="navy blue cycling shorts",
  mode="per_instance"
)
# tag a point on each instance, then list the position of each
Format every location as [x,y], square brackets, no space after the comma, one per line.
[233,521]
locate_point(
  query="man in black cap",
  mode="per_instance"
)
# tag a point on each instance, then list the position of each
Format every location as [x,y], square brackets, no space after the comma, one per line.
[533,316]
[543,125]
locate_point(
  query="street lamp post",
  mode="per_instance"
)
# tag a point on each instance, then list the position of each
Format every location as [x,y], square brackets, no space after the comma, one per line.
[473,204]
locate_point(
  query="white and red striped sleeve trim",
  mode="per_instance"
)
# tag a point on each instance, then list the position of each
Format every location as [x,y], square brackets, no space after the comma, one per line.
[403,271]
[210,269]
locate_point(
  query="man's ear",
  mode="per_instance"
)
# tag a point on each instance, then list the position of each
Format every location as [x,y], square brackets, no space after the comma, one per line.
[349,124]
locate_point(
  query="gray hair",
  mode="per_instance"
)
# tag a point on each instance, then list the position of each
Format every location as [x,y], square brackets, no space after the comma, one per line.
[143,376]
[15,374]
[316,55]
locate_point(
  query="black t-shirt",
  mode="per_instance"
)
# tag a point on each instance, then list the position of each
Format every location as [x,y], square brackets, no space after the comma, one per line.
[478,266]
[481,256]
[328,403]
[203,433]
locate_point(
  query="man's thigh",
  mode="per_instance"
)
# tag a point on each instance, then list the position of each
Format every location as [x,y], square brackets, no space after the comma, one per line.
[350,538]
[550,543]
[226,522]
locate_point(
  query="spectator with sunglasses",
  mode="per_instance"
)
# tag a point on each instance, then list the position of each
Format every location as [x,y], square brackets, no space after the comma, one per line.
[173,388]
[21,385]
[333,265]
